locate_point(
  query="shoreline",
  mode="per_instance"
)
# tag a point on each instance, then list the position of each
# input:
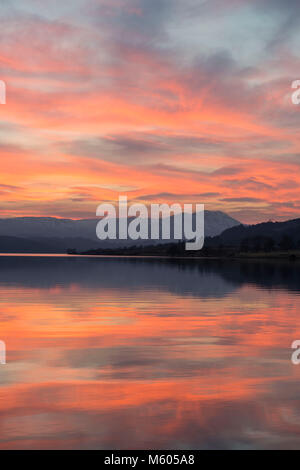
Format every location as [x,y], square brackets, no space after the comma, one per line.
[292,256]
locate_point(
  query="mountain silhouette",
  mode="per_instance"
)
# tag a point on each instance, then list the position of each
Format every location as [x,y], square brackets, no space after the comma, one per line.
[52,235]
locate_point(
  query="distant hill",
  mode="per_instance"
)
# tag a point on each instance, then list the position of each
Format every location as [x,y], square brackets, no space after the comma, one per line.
[44,245]
[22,245]
[50,235]
[273,232]
[268,236]
[270,239]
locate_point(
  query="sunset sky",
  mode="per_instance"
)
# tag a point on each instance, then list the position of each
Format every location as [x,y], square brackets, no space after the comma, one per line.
[159,100]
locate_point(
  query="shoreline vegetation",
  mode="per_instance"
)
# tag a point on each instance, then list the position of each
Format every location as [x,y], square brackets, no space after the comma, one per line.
[268,240]
[178,251]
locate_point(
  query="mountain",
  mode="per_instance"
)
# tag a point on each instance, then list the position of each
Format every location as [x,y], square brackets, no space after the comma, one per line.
[22,245]
[50,235]
[276,232]
[216,222]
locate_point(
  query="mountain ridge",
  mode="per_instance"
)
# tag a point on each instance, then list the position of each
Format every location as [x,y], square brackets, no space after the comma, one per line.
[59,235]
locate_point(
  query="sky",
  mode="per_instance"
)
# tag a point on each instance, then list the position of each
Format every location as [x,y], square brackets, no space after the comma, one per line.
[160,100]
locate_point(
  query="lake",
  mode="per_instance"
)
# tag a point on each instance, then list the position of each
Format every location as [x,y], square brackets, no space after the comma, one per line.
[121,353]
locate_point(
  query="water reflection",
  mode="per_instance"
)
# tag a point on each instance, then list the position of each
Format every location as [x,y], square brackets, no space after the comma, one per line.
[132,353]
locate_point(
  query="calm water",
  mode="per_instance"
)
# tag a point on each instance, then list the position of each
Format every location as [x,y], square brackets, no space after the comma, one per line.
[114,353]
